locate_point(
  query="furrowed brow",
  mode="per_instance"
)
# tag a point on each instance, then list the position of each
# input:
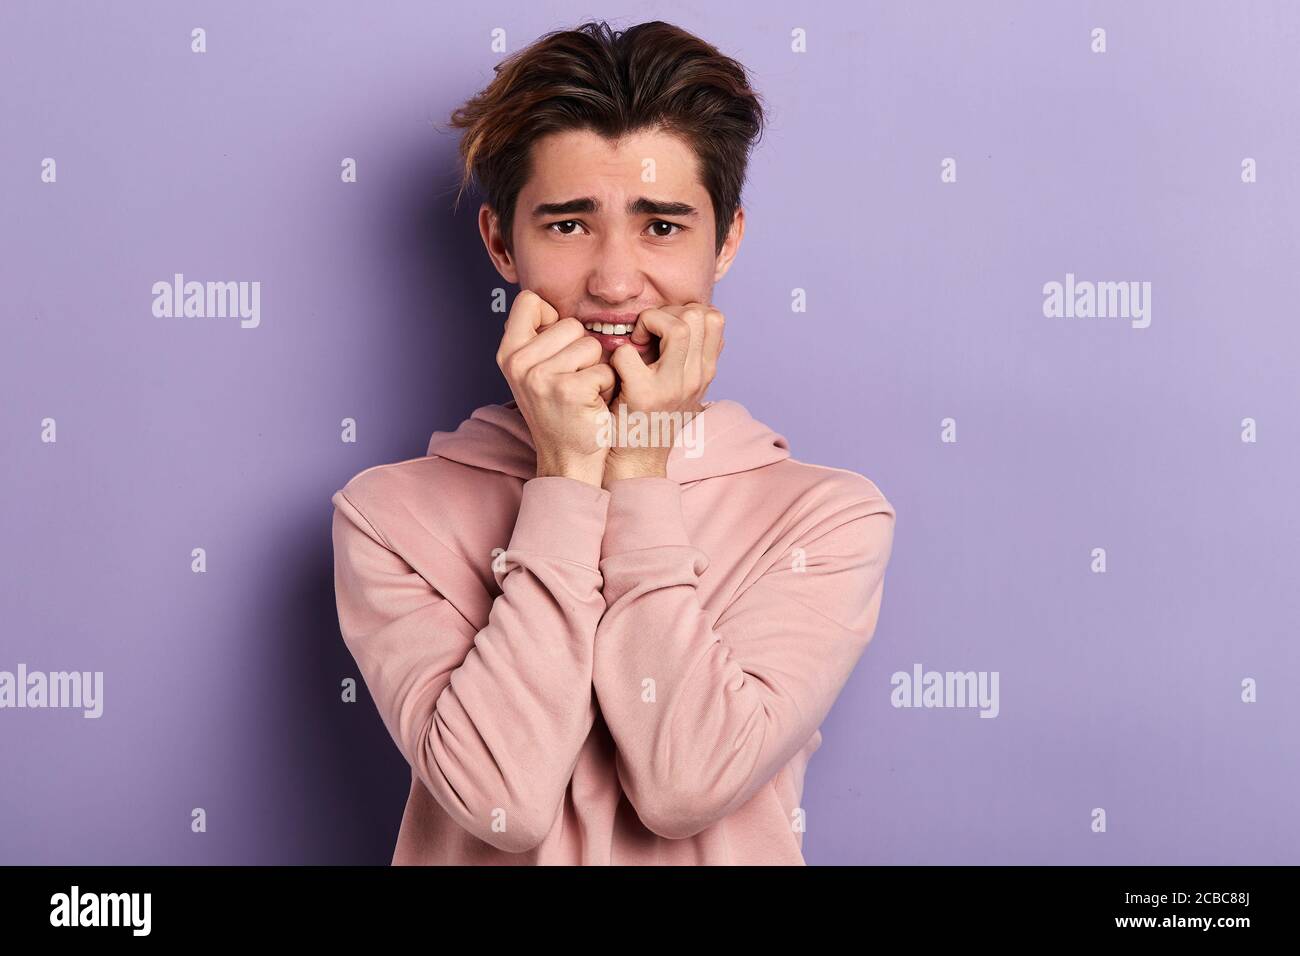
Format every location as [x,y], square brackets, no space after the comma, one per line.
[641,206]
[654,207]
[586,204]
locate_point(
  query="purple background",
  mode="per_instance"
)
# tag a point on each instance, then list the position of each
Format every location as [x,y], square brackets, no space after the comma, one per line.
[1118,690]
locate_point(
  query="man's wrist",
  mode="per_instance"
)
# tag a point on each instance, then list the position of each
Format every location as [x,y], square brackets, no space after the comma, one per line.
[588,472]
[634,466]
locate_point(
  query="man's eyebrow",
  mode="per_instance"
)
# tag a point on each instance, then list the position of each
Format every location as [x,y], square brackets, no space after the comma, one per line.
[641,206]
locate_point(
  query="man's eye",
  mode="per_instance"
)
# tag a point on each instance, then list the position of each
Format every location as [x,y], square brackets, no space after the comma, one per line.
[670,225]
[562,228]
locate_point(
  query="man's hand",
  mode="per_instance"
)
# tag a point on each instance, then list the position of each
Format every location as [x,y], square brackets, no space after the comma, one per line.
[554,370]
[690,341]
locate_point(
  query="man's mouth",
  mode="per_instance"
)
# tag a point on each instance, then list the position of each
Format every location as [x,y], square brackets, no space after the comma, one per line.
[613,334]
[610,328]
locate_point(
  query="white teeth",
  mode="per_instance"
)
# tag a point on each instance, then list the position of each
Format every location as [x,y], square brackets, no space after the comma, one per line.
[609,328]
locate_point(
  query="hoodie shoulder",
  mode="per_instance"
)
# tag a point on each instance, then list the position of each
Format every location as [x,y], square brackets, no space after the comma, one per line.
[381,479]
[428,490]
[827,488]
[848,482]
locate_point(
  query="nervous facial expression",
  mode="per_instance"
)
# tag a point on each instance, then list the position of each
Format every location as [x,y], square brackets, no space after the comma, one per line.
[604,230]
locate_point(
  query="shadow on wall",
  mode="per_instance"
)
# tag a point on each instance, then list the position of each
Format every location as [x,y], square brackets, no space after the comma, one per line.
[341,783]
[445,340]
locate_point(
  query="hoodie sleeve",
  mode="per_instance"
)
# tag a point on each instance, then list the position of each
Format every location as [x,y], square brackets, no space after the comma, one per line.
[703,714]
[491,720]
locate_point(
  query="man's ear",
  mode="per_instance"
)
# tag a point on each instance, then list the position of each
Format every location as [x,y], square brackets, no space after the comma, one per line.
[489,227]
[730,245]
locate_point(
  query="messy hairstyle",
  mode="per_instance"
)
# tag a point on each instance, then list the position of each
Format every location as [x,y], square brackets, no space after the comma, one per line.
[652,76]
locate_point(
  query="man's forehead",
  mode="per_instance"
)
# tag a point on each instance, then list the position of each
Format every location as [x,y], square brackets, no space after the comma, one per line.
[578,161]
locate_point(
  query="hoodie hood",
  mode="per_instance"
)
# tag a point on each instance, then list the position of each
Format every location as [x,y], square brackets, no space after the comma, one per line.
[728,440]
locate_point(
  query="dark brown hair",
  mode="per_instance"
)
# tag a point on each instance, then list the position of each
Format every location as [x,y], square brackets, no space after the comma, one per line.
[650,76]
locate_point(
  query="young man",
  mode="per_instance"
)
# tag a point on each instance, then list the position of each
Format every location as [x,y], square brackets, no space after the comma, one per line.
[593,654]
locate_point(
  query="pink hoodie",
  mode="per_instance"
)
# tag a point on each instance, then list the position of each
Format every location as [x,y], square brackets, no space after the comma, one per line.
[640,675]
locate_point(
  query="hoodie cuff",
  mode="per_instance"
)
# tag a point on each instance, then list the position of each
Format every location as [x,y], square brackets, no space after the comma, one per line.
[562,517]
[644,512]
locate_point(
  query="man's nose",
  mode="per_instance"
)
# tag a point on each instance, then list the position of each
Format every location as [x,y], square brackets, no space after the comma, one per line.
[616,270]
